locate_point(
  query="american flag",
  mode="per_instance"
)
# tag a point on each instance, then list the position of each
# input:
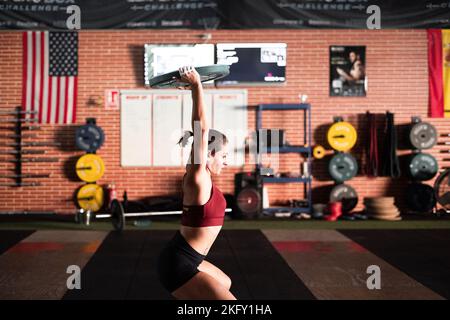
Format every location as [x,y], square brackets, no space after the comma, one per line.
[50,69]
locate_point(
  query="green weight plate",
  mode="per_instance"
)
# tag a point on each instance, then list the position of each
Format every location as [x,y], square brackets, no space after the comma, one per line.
[342,167]
[423,166]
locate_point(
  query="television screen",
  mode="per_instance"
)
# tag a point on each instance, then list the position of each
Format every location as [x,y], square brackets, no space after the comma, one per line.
[160,59]
[252,63]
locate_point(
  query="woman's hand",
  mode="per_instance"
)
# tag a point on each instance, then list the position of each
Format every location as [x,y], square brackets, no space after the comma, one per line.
[190,75]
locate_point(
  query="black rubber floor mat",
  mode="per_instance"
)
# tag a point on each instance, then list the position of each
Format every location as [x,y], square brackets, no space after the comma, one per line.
[423,255]
[9,238]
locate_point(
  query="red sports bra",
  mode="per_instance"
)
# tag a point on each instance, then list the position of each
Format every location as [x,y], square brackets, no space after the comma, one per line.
[210,214]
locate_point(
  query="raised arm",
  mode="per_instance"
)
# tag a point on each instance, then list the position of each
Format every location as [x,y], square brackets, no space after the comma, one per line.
[200,125]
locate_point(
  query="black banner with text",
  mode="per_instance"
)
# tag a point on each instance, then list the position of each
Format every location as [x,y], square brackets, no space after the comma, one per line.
[222,14]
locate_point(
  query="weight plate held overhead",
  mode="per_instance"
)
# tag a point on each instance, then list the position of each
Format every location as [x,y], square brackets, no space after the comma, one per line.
[172,79]
[423,135]
[422,167]
[89,137]
[342,167]
[345,194]
[90,167]
[342,136]
[90,197]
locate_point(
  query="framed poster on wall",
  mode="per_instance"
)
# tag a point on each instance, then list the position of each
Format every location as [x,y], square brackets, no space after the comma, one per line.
[348,71]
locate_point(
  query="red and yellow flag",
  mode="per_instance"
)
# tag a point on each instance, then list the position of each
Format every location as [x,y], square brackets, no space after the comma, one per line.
[439,72]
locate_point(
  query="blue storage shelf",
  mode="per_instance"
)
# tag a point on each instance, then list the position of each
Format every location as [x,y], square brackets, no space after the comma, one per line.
[281,209]
[299,106]
[306,151]
[292,149]
[285,180]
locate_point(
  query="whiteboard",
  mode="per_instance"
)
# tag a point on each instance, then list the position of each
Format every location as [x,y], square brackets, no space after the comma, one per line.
[167,122]
[152,122]
[230,117]
[135,130]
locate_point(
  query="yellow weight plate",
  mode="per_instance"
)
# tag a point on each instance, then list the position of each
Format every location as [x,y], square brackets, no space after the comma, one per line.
[342,136]
[90,168]
[318,152]
[90,197]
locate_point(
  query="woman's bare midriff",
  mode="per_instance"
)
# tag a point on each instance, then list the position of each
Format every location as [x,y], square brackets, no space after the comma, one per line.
[200,239]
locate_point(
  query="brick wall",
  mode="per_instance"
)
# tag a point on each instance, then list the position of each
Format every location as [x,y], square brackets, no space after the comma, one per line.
[397,81]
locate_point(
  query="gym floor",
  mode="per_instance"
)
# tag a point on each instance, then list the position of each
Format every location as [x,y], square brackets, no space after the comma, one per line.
[273,260]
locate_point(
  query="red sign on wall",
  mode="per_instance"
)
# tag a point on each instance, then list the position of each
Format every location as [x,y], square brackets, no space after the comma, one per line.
[112,99]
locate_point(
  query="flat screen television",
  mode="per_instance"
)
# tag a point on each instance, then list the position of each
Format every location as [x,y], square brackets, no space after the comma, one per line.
[252,63]
[162,58]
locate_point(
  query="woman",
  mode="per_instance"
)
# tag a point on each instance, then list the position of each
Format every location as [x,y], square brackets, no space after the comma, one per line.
[182,267]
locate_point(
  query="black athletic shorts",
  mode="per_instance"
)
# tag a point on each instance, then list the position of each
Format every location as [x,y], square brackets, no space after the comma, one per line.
[177,263]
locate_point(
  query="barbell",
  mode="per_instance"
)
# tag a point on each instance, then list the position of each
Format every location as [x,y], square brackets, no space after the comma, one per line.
[118,215]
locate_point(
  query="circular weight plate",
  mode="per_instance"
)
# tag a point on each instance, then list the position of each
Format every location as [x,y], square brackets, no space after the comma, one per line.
[249,201]
[442,189]
[423,166]
[90,197]
[89,137]
[90,167]
[342,167]
[117,215]
[345,194]
[342,136]
[318,152]
[172,79]
[423,135]
[420,197]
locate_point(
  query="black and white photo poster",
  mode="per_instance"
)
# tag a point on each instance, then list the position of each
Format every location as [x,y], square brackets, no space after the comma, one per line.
[348,71]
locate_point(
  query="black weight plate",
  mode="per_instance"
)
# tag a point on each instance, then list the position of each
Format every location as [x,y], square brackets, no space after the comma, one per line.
[249,202]
[442,189]
[172,79]
[342,167]
[117,215]
[89,137]
[420,197]
[345,194]
[423,166]
[423,135]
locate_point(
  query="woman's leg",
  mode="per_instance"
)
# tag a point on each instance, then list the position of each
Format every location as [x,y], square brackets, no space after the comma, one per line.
[216,273]
[202,286]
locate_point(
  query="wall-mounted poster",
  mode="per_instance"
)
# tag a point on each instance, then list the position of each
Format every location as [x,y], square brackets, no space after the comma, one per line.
[347,71]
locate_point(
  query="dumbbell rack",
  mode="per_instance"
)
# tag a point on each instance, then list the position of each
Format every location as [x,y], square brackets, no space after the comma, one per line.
[305,150]
[23,120]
